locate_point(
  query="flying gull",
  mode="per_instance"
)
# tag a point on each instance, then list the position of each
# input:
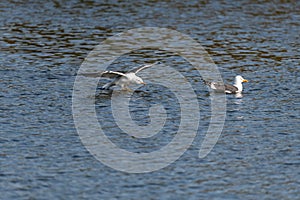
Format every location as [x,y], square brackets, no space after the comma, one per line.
[237,87]
[122,79]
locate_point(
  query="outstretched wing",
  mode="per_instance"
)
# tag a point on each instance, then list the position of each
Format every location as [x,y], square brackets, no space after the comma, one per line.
[105,74]
[112,74]
[140,68]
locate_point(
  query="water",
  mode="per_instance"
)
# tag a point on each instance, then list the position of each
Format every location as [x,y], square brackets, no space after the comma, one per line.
[257,155]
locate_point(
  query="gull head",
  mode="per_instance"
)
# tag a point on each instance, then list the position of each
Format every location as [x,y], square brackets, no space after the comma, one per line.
[238,82]
[133,78]
[239,79]
[139,80]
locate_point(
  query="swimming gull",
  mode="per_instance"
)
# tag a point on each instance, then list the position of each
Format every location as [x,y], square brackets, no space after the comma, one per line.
[122,79]
[237,87]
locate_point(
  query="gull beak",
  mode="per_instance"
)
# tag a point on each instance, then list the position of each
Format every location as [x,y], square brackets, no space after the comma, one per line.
[143,83]
[245,81]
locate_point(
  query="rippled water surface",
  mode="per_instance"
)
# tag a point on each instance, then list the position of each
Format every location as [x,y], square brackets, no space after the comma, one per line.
[42,47]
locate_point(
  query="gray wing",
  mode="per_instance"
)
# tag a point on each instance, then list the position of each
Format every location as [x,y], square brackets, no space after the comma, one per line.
[140,68]
[221,87]
[215,85]
[231,88]
[106,74]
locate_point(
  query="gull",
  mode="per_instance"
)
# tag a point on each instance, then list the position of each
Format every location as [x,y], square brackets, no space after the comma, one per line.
[122,79]
[237,87]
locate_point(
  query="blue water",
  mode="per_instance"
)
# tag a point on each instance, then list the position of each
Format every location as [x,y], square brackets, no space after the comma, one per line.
[257,155]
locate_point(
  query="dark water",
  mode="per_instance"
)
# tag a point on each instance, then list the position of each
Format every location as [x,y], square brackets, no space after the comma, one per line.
[43,46]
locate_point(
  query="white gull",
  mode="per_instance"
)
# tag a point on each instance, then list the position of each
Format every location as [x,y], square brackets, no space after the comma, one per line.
[122,79]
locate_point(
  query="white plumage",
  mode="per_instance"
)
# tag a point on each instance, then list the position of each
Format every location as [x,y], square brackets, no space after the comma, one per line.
[122,79]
